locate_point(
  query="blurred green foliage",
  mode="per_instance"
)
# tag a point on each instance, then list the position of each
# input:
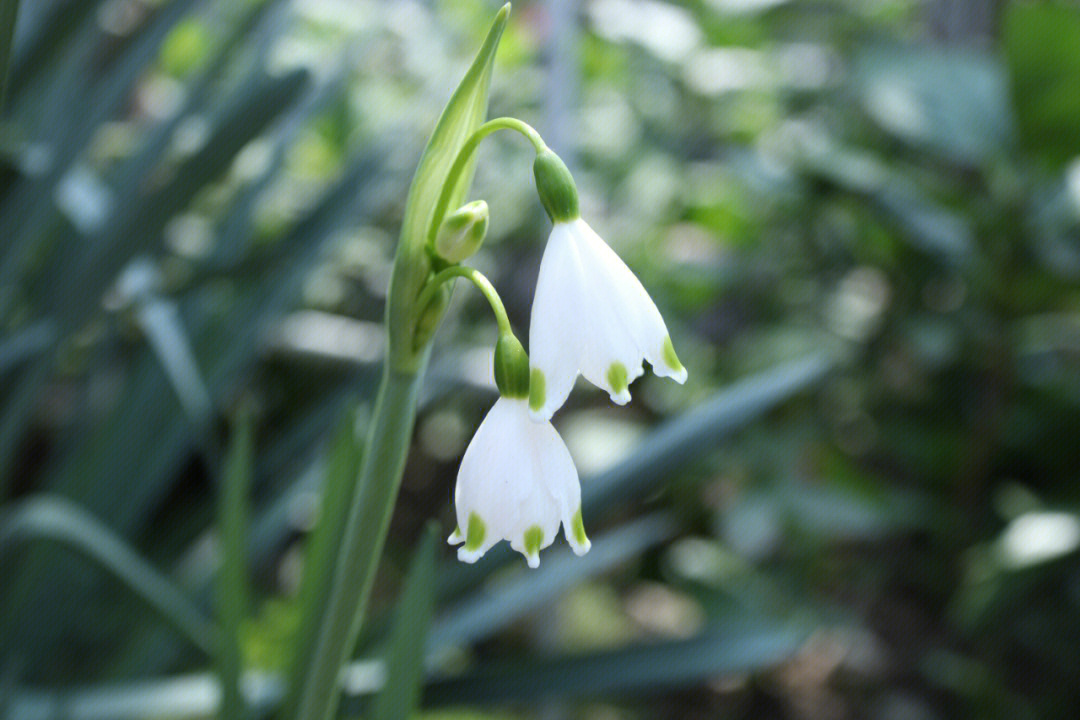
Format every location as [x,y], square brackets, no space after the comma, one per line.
[864,239]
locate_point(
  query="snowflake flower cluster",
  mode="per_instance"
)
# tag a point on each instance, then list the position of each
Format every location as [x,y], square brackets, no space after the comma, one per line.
[591,316]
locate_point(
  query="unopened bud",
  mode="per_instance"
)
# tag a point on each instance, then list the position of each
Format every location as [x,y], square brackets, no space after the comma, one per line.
[462,232]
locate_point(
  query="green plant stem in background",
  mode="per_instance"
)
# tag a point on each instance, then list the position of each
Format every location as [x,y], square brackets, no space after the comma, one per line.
[9,11]
[464,158]
[389,436]
[232,589]
[482,284]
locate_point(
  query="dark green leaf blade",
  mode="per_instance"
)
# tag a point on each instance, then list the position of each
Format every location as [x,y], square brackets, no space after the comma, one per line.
[632,670]
[233,592]
[57,520]
[408,636]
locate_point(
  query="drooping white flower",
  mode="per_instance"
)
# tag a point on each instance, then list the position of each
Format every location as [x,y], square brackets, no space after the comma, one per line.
[592,316]
[517,482]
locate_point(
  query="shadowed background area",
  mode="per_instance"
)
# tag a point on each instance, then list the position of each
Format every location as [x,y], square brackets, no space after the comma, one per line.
[861,221]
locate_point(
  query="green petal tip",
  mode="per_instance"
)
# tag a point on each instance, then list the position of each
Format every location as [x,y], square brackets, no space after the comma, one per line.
[537,390]
[476,533]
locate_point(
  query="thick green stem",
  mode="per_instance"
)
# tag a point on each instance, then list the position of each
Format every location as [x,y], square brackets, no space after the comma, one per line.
[389,435]
[465,155]
[482,284]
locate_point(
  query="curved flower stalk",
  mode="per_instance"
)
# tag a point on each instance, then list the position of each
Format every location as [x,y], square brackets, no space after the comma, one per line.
[590,315]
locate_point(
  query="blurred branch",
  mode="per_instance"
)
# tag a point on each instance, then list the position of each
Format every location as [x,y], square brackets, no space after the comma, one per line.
[675,441]
[25,343]
[955,22]
[9,11]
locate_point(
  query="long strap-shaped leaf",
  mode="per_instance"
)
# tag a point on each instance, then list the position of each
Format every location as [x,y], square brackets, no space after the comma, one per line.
[232,587]
[626,670]
[717,651]
[57,520]
[405,655]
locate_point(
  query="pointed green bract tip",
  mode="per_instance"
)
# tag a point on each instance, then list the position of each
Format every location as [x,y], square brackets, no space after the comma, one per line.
[617,377]
[537,389]
[477,530]
[534,537]
[577,528]
[667,352]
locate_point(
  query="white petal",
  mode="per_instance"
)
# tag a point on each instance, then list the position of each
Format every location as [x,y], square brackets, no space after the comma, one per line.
[488,481]
[555,337]
[637,313]
[517,482]
[561,478]
[611,358]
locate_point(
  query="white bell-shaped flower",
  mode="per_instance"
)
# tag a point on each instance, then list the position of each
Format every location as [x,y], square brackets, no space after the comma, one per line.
[592,316]
[517,482]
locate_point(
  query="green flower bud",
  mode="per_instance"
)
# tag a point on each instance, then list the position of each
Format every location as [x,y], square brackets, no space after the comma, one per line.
[462,232]
[511,367]
[556,187]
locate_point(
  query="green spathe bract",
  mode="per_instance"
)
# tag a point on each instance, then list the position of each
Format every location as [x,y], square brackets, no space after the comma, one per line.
[462,116]
[314,690]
